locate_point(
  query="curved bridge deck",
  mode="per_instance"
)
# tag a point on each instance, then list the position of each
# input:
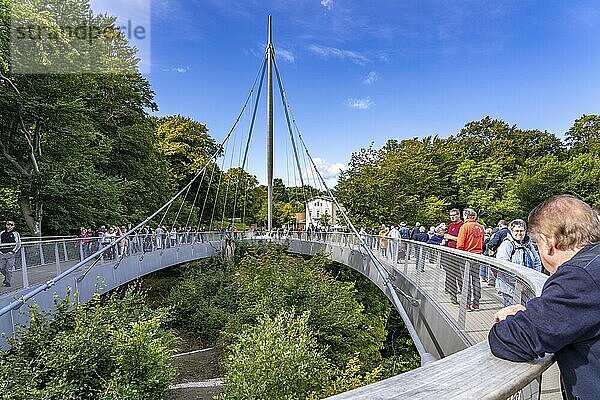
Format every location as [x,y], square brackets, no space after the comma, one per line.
[466,369]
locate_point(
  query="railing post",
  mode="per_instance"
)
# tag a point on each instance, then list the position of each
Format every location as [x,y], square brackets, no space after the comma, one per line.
[406,256]
[462,306]
[518,291]
[437,273]
[64,242]
[24,267]
[81,250]
[42,261]
[419,264]
[57,258]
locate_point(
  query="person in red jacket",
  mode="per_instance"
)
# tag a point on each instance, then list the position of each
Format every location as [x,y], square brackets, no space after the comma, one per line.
[470,238]
[453,278]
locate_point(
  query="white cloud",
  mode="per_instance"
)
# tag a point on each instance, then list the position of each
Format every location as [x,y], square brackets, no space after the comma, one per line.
[328,4]
[286,55]
[371,78]
[327,52]
[329,171]
[179,70]
[360,104]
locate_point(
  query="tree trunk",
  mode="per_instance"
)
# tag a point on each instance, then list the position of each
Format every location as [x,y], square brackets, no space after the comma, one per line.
[33,219]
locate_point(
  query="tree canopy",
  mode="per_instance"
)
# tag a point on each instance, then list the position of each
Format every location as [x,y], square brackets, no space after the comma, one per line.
[76,146]
[499,170]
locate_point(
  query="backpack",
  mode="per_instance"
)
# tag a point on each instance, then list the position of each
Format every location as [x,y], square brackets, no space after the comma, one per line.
[404,233]
[515,247]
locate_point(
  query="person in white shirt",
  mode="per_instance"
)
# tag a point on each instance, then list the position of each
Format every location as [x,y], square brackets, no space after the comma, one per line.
[394,235]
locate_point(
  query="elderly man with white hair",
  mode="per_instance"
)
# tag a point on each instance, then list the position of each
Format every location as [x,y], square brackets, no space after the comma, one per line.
[565,319]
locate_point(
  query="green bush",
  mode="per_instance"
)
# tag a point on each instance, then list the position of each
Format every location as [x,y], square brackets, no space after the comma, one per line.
[107,349]
[204,301]
[273,281]
[279,358]
[399,352]
[340,334]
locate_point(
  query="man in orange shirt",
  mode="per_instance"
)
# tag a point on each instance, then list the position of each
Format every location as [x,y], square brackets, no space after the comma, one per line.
[470,238]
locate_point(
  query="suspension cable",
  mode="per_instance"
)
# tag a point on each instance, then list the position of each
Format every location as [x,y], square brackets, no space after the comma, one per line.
[287,117]
[380,269]
[212,173]
[187,223]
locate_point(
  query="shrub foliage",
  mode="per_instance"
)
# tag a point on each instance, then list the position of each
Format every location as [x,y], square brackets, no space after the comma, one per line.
[110,348]
[292,328]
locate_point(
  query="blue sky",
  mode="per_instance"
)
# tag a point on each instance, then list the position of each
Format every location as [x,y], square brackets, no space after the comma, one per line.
[357,72]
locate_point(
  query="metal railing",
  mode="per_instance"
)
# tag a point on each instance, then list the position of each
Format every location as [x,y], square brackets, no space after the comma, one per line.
[445,274]
[42,260]
[428,267]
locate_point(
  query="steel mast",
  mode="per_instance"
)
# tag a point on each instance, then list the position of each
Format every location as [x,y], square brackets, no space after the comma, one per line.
[270,60]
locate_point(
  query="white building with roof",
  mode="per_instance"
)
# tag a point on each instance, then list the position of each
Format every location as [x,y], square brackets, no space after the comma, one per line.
[319,206]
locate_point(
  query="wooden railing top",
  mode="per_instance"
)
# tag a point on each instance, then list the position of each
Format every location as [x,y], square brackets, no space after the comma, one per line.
[474,373]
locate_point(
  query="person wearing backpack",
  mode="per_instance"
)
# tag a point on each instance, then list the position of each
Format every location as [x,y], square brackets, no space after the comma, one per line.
[497,238]
[405,235]
[516,248]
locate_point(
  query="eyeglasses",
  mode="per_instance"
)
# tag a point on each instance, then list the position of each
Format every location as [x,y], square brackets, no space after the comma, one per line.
[454,215]
[10,224]
[518,231]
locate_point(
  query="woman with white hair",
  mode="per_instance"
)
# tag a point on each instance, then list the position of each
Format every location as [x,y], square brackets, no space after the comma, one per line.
[516,248]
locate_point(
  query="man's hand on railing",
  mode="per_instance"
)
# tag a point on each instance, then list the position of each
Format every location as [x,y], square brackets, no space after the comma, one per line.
[506,311]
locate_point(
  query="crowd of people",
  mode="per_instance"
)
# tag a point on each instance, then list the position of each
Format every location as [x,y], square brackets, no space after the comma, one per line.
[564,236]
[506,241]
[144,239]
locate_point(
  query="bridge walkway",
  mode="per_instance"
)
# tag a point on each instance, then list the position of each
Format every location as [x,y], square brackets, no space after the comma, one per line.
[473,325]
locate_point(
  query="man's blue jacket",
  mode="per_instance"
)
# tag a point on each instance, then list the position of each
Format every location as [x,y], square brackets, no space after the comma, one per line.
[564,320]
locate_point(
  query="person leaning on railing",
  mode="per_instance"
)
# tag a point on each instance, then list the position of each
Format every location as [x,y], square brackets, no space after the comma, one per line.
[565,319]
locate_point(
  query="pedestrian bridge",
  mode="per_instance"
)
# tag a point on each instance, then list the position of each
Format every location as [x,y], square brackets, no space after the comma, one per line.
[461,365]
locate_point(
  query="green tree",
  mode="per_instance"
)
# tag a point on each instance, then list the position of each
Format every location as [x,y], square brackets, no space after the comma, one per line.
[186,145]
[484,187]
[280,194]
[203,301]
[584,135]
[114,348]
[60,129]
[237,191]
[275,281]
[388,185]
[325,219]
[583,171]
[539,179]
[278,358]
